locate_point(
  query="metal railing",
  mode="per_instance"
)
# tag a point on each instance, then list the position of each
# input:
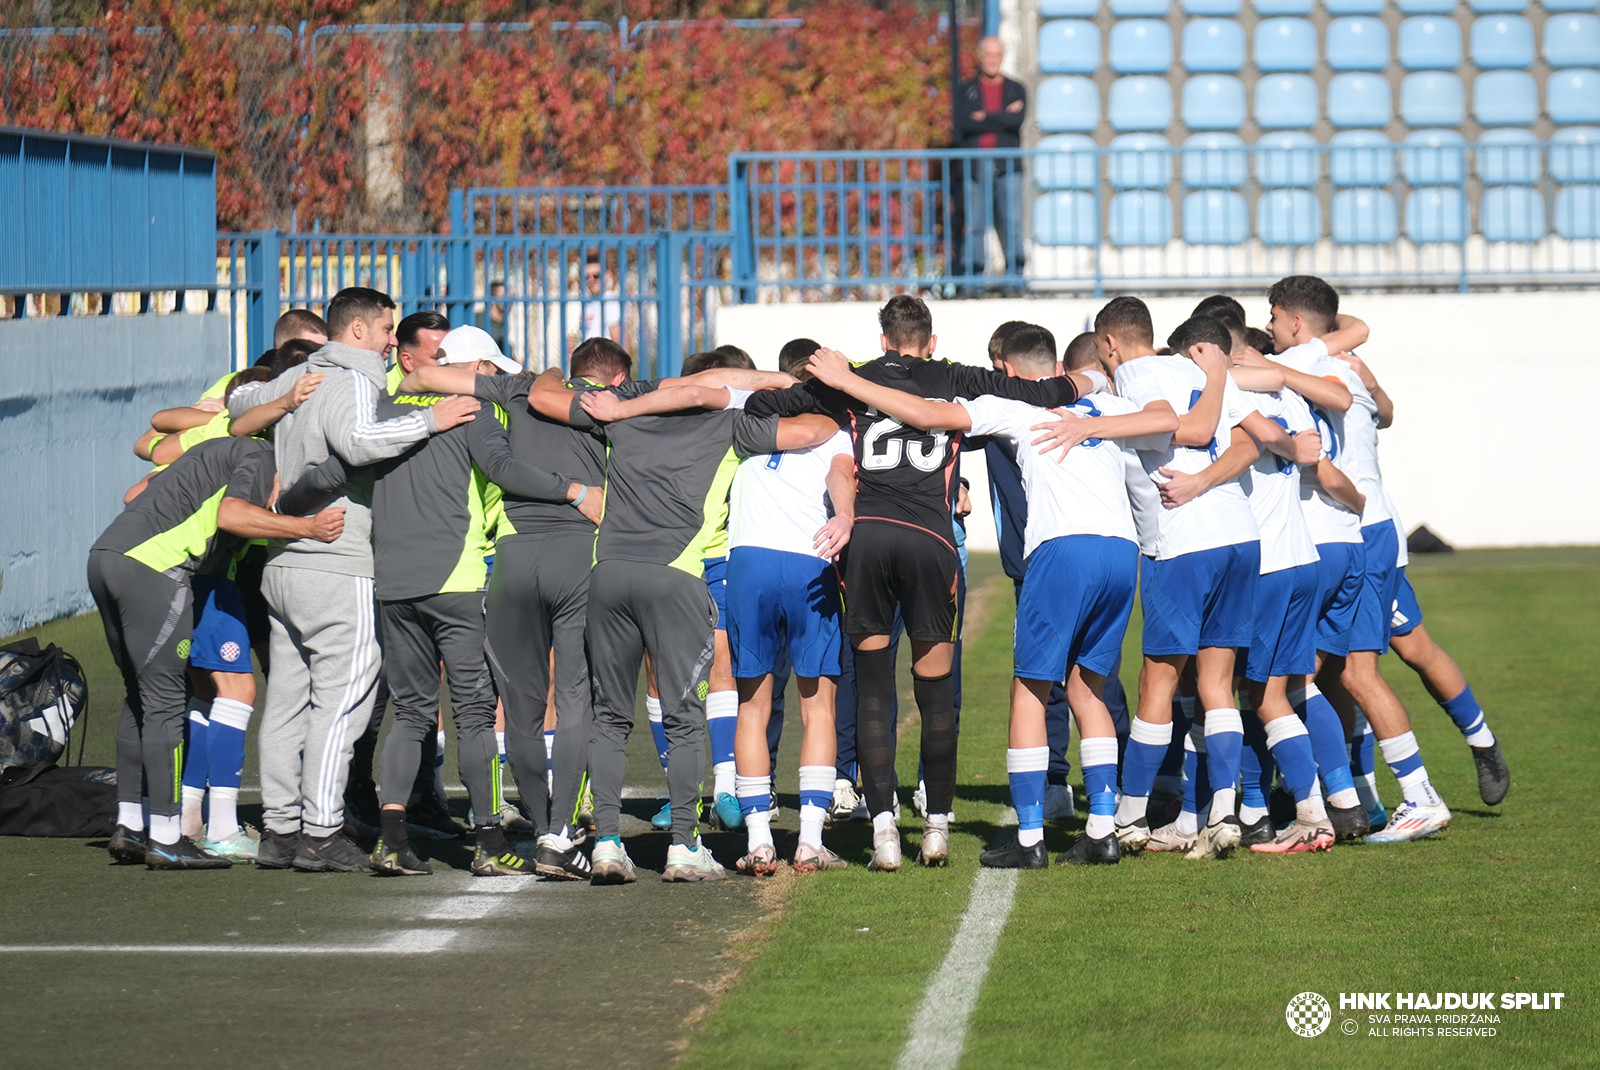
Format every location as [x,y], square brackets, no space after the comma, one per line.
[589,209]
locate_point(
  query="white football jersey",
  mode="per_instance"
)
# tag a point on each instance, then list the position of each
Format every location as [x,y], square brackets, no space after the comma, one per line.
[779,500]
[1355,439]
[1273,486]
[1219,517]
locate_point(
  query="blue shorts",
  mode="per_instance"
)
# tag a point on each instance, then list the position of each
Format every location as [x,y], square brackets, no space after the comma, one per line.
[1284,643]
[221,642]
[1202,599]
[717,583]
[1340,576]
[779,599]
[1371,629]
[1076,597]
[1407,614]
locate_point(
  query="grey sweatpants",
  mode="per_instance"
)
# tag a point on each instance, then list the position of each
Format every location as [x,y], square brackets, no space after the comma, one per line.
[538,598]
[149,620]
[634,607]
[319,697]
[418,634]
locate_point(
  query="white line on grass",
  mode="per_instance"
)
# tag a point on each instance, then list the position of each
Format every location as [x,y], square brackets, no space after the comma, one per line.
[405,942]
[940,1029]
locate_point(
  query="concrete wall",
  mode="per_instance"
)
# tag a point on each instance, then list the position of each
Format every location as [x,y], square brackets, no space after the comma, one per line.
[1494,396]
[75,392]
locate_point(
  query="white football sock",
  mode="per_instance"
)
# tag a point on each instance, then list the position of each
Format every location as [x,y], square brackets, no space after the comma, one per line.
[165,830]
[1029,837]
[130,815]
[224,821]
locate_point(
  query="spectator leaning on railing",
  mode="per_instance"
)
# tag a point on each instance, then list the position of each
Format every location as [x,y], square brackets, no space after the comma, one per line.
[989,113]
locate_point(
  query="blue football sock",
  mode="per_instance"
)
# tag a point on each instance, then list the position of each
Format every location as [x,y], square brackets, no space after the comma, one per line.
[1327,742]
[1468,716]
[197,754]
[1025,768]
[1197,793]
[658,728]
[1363,749]
[1172,764]
[1291,748]
[1147,749]
[230,720]
[1255,771]
[755,802]
[1224,742]
[1098,757]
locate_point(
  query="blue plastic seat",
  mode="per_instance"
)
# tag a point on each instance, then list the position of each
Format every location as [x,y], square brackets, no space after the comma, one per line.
[1287,159]
[1068,9]
[1432,98]
[1511,213]
[1359,100]
[1578,212]
[1128,9]
[1426,7]
[1068,103]
[1216,217]
[1140,102]
[1505,98]
[1072,164]
[1212,7]
[1213,46]
[1213,102]
[1357,44]
[1429,43]
[1068,217]
[1141,46]
[1214,161]
[1288,217]
[1575,154]
[1282,7]
[1567,5]
[1509,158]
[1433,157]
[1572,41]
[1354,7]
[1364,217]
[1069,46]
[1139,161]
[1503,41]
[1285,45]
[1436,214]
[1141,217]
[1573,96]
[1487,7]
[1361,158]
[1286,102]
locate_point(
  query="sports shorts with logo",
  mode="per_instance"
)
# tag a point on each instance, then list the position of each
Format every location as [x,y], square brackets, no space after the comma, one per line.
[889,565]
[716,573]
[778,599]
[1341,574]
[1407,613]
[1077,595]
[1284,638]
[1205,598]
[221,641]
[1371,628]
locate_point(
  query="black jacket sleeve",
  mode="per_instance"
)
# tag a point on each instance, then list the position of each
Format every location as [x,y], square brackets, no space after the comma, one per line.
[967,381]
[314,490]
[491,452]
[1005,123]
[800,399]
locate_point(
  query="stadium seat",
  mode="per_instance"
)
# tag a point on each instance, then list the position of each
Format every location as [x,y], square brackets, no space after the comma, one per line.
[1287,159]
[1212,7]
[1429,43]
[1139,161]
[1213,46]
[1426,7]
[1214,161]
[1573,96]
[1354,7]
[1357,44]
[1575,154]
[1068,9]
[1285,45]
[1436,214]
[1072,165]
[1068,103]
[1571,41]
[1213,102]
[1432,98]
[1511,213]
[1216,217]
[1127,9]
[1567,5]
[1286,102]
[1508,158]
[1141,102]
[1141,46]
[1288,217]
[1282,7]
[1364,217]
[1141,217]
[1505,98]
[1578,212]
[1069,217]
[1359,100]
[1433,157]
[1503,41]
[1069,46]
[1361,158]
[1486,7]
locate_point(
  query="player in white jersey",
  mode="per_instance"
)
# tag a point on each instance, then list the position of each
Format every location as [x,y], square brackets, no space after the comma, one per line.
[790,515]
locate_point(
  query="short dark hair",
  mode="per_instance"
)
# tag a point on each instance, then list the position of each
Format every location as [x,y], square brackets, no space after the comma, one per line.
[1030,346]
[256,373]
[740,358]
[1082,352]
[408,330]
[355,303]
[1198,329]
[600,358]
[294,351]
[1308,296]
[1221,306]
[1259,340]
[265,360]
[695,363]
[906,322]
[297,323]
[997,339]
[795,353]
[1126,317]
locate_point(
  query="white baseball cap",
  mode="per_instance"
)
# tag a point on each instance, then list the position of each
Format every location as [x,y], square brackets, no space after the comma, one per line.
[468,345]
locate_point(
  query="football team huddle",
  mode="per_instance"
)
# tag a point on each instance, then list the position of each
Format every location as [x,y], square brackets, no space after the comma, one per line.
[545,543]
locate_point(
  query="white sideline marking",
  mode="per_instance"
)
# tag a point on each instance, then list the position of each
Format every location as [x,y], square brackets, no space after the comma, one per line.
[939,1031]
[405,942]
[463,908]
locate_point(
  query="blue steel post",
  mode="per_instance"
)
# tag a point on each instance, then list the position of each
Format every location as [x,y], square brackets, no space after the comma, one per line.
[669,298]
[744,235]
[458,259]
[261,277]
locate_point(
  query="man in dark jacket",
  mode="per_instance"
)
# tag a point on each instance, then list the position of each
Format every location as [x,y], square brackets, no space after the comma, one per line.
[989,113]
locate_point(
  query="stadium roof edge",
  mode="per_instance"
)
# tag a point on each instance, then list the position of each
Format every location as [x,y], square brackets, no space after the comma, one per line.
[110,142]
